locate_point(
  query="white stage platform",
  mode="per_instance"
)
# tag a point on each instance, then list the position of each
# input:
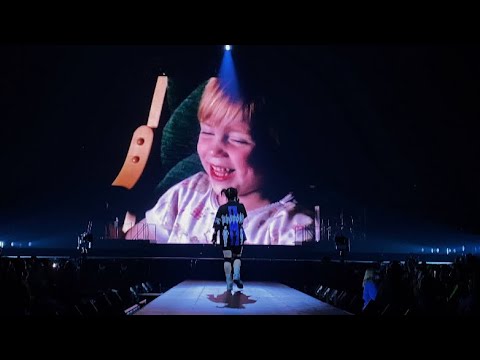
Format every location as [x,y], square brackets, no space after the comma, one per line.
[257,298]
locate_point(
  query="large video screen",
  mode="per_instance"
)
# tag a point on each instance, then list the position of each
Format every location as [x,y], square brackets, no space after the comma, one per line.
[139,143]
[224,135]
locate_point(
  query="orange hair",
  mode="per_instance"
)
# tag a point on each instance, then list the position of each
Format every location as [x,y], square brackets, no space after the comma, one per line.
[217,104]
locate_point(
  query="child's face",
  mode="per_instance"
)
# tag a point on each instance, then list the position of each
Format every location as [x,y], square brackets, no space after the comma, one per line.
[225,150]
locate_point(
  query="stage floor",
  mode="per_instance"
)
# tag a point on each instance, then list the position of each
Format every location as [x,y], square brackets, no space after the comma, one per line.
[257,298]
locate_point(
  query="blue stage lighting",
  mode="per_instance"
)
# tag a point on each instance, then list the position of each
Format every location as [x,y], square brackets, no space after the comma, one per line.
[228,47]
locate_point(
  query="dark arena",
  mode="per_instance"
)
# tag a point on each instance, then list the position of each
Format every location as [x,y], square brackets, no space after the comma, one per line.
[354,173]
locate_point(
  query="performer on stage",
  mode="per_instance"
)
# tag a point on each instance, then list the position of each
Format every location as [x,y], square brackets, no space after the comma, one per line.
[229,222]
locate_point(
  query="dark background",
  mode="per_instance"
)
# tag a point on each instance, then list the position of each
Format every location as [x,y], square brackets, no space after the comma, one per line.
[389,130]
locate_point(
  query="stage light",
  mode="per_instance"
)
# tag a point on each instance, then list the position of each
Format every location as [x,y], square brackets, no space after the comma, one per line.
[228,47]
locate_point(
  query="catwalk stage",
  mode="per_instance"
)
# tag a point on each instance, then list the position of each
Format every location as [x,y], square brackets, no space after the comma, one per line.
[194,297]
[309,279]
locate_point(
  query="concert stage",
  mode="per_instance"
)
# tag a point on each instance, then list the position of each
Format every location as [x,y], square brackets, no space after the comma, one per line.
[314,251]
[189,278]
[256,298]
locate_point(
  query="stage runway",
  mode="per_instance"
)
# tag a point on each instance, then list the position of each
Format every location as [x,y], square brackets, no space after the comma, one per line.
[257,298]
